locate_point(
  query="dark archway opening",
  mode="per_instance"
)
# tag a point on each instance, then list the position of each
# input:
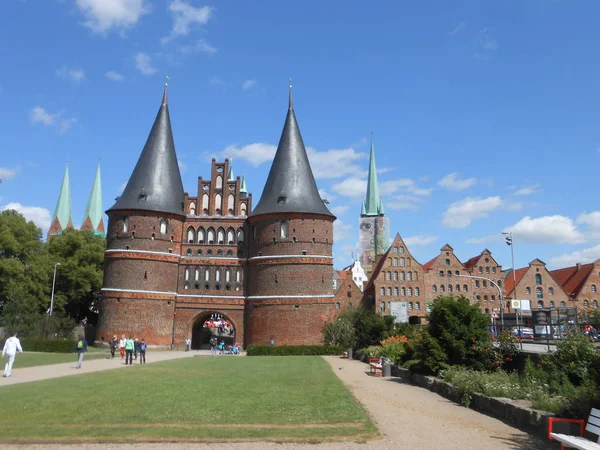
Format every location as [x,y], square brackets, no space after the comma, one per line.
[212,324]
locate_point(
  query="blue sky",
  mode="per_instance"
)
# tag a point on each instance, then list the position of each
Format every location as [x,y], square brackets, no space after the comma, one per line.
[485,114]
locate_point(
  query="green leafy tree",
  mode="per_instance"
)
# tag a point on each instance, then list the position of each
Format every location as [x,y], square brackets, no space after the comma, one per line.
[79,277]
[340,332]
[370,328]
[459,328]
[24,266]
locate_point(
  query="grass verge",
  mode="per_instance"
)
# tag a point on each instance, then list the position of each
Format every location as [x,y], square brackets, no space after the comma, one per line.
[192,399]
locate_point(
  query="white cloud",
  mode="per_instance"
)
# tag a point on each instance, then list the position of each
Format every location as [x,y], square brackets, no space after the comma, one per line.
[114,76]
[6,173]
[40,115]
[182,165]
[584,256]
[404,201]
[458,28]
[403,185]
[143,64]
[528,190]
[462,213]
[75,75]
[341,230]
[546,230]
[40,216]
[351,187]
[385,170]
[419,240]
[515,207]
[248,84]
[343,160]
[339,210]
[255,154]
[184,16]
[452,182]
[101,16]
[486,44]
[326,195]
[200,46]
[592,219]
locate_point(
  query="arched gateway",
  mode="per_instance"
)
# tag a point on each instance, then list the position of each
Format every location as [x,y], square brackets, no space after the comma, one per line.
[210,324]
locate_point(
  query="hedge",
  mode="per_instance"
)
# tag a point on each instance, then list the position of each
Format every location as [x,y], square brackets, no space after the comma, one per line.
[293,350]
[47,345]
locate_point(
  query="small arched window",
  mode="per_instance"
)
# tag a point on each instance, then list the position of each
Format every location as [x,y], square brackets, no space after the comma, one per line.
[243,209]
[201,235]
[417,305]
[563,304]
[538,278]
[447,261]
[217,275]
[550,291]
[540,304]
[586,304]
[396,292]
[191,235]
[205,204]
[395,249]
[449,288]
[395,262]
[396,276]
[417,292]
[527,290]
[285,229]
[382,291]
[487,269]
[593,288]
[410,292]
[465,288]
[595,304]
[207,274]
[187,274]
[409,274]
[240,235]
[434,288]
[403,291]
[218,204]
[538,292]
[238,276]
[410,306]
[221,236]
[402,275]
[389,291]
[458,288]
[197,275]
[192,208]
[552,304]
[402,262]
[337,305]
[219,182]
[230,204]
[382,307]
[389,276]
[211,235]
[126,225]
[230,236]
[442,288]
[228,276]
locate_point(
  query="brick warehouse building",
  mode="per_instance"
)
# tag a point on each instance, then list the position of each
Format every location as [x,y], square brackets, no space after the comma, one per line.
[173,260]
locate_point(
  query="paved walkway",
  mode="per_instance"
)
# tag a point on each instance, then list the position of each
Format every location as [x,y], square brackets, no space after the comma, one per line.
[409,417]
[38,373]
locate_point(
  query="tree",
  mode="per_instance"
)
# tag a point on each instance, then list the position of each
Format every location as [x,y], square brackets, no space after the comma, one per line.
[79,277]
[459,328]
[24,264]
[340,332]
[370,328]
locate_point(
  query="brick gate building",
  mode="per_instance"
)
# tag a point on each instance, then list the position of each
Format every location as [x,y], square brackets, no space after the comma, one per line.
[173,260]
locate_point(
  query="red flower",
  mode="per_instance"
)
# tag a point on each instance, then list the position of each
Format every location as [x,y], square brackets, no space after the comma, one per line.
[474,346]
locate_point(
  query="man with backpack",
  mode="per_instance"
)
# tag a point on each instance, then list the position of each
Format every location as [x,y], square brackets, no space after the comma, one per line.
[80,348]
[143,346]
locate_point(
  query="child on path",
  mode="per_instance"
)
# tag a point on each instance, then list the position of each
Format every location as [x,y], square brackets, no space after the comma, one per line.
[143,346]
[188,343]
[113,346]
[80,348]
[11,346]
[122,346]
[129,347]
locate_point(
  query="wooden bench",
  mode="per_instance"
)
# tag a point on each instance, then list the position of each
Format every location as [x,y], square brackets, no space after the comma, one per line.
[376,368]
[578,442]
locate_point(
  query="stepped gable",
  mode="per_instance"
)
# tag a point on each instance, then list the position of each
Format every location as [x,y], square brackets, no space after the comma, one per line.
[155,184]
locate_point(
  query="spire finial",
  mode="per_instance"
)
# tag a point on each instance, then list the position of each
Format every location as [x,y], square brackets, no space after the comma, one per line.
[291,105]
[164,100]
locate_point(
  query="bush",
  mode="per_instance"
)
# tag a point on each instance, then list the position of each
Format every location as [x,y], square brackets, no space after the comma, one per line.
[293,350]
[47,345]
[428,355]
[340,332]
[577,358]
[370,328]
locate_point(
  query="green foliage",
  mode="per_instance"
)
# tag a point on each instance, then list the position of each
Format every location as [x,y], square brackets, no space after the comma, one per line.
[374,351]
[293,350]
[577,358]
[370,328]
[79,277]
[406,329]
[340,332]
[428,355]
[579,403]
[48,345]
[458,326]
[394,351]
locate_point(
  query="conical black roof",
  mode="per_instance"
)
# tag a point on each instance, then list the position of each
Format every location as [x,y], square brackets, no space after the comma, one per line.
[155,184]
[291,186]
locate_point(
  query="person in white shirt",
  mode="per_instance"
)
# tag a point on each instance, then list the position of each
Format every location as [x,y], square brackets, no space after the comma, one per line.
[11,346]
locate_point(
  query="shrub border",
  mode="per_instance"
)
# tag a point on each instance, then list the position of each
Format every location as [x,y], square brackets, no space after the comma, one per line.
[293,350]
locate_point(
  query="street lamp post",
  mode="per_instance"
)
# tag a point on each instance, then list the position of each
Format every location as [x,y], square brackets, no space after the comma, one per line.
[53,284]
[500,297]
[510,243]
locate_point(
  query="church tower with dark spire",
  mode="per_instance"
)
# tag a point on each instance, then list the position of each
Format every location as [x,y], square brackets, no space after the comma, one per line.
[144,236]
[290,260]
[373,224]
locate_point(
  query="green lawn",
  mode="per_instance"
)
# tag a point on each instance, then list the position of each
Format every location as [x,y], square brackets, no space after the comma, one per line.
[45,359]
[191,399]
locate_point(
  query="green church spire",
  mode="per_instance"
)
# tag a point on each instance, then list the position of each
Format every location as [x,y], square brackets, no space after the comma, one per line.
[93,218]
[231,176]
[243,186]
[63,215]
[373,204]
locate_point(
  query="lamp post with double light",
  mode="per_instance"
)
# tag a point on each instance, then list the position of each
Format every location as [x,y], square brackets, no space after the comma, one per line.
[53,284]
[510,243]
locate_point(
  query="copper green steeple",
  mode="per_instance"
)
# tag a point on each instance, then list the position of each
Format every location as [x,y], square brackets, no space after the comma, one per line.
[373,205]
[93,219]
[63,215]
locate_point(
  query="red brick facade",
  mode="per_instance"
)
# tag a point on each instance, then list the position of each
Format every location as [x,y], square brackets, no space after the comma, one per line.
[166,274]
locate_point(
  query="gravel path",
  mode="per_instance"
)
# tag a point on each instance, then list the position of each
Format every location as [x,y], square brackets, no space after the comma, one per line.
[409,417]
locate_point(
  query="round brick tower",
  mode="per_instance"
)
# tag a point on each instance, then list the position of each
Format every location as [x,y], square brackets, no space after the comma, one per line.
[290,259]
[143,244]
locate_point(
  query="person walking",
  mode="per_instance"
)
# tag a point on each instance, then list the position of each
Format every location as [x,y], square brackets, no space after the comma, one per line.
[11,346]
[188,343]
[143,347]
[136,348]
[122,346]
[129,347]
[80,348]
[113,346]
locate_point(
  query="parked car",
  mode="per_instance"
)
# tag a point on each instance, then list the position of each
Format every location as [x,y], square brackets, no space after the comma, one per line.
[523,332]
